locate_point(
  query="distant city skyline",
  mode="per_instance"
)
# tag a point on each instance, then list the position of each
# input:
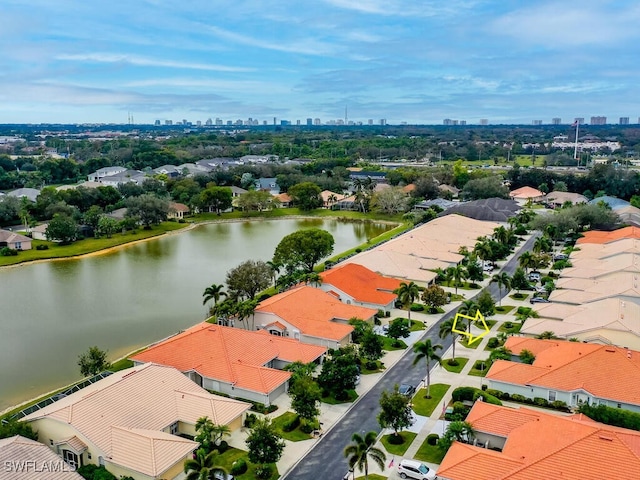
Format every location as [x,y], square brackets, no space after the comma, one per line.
[477,61]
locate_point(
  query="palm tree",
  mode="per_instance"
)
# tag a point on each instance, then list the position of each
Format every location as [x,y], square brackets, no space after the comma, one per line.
[407,293]
[457,274]
[425,350]
[547,335]
[503,280]
[247,309]
[361,449]
[483,250]
[213,292]
[542,244]
[275,270]
[203,466]
[500,235]
[469,309]
[331,200]
[526,261]
[446,329]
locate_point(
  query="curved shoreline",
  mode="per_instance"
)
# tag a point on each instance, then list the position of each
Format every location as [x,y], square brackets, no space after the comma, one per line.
[191,226]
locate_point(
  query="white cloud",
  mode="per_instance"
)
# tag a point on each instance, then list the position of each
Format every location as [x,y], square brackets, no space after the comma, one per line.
[148,62]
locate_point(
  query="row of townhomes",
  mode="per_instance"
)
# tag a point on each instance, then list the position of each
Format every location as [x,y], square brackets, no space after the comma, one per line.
[597,299]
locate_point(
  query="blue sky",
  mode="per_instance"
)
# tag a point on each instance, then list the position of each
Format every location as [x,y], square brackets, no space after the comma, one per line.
[404,60]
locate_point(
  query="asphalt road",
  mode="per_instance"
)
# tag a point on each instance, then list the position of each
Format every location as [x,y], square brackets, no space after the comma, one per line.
[326,460]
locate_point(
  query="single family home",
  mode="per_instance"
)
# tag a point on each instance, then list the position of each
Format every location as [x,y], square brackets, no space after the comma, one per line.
[14,240]
[233,361]
[136,422]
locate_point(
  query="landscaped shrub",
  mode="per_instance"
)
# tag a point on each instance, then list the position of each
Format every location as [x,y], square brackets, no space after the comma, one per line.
[545,279]
[239,467]
[94,472]
[223,446]
[371,365]
[8,252]
[495,393]
[493,342]
[250,420]
[264,471]
[292,424]
[520,230]
[540,402]
[263,296]
[417,308]
[559,405]
[452,362]
[508,325]
[461,394]
[612,416]
[42,247]
[387,314]
[308,427]
[460,408]
[432,439]
[395,439]
[487,398]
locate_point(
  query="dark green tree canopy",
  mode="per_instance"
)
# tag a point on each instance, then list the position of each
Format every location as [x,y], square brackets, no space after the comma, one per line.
[62,228]
[265,445]
[215,199]
[93,361]
[395,411]
[303,249]
[148,208]
[248,278]
[306,195]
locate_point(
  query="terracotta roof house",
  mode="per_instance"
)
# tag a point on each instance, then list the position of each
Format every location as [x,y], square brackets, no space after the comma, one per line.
[532,445]
[177,210]
[523,195]
[354,284]
[409,188]
[14,240]
[310,315]
[329,198]
[285,200]
[25,459]
[558,199]
[572,372]
[610,321]
[598,236]
[240,363]
[131,422]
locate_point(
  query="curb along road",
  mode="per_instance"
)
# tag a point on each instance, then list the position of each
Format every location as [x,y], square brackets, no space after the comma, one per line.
[326,459]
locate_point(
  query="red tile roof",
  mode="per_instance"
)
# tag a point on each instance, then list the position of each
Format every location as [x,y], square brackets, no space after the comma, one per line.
[526,192]
[231,355]
[313,312]
[597,236]
[541,445]
[604,371]
[362,284]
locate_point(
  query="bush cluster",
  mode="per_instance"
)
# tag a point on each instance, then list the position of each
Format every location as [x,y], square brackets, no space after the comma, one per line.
[432,439]
[538,401]
[239,467]
[292,424]
[493,342]
[250,420]
[8,252]
[42,247]
[612,416]
[417,308]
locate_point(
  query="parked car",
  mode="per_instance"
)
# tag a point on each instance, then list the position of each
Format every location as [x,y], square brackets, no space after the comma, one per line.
[220,476]
[407,390]
[416,470]
[539,300]
[560,256]
[534,277]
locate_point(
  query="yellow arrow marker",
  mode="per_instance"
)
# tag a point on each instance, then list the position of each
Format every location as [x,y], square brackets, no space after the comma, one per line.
[478,318]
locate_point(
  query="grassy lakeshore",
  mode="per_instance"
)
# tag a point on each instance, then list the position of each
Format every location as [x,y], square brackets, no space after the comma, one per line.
[94,245]
[88,245]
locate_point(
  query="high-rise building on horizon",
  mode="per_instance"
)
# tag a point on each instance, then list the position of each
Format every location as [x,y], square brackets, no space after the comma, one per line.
[309,122]
[317,122]
[624,120]
[537,122]
[157,123]
[598,120]
[383,121]
[463,122]
[484,121]
[556,121]
[209,122]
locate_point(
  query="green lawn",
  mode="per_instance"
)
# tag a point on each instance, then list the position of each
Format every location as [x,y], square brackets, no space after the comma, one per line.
[416,326]
[372,476]
[365,371]
[296,435]
[514,329]
[87,245]
[474,345]
[439,310]
[430,453]
[331,400]
[121,364]
[456,369]
[476,369]
[504,309]
[425,406]
[519,296]
[401,449]
[457,297]
[388,344]
[230,456]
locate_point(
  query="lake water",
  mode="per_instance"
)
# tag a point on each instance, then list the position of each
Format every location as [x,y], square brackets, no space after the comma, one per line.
[52,312]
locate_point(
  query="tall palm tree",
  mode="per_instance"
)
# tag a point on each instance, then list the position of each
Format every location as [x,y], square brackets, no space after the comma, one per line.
[457,274]
[483,250]
[446,329]
[500,235]
[275,270]
[425,350]
[542,244]
[204,466]
[407,293]
[526,261]
[247,309]
[361,449]
[469,309]
[213,292]
[503,280]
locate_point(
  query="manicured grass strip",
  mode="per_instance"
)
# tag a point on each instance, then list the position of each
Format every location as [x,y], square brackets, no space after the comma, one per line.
[457,297]
[474,345]
[365,371]
[519,296]
[372,476]
[389,344]
[504,309]
[293,436]
[477,371]
[331,400]
[121,364]
[455,369]
[416,326]
[230,456]
[430,453]
[87,245]
[425,406]
[401,449]
[514,328]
